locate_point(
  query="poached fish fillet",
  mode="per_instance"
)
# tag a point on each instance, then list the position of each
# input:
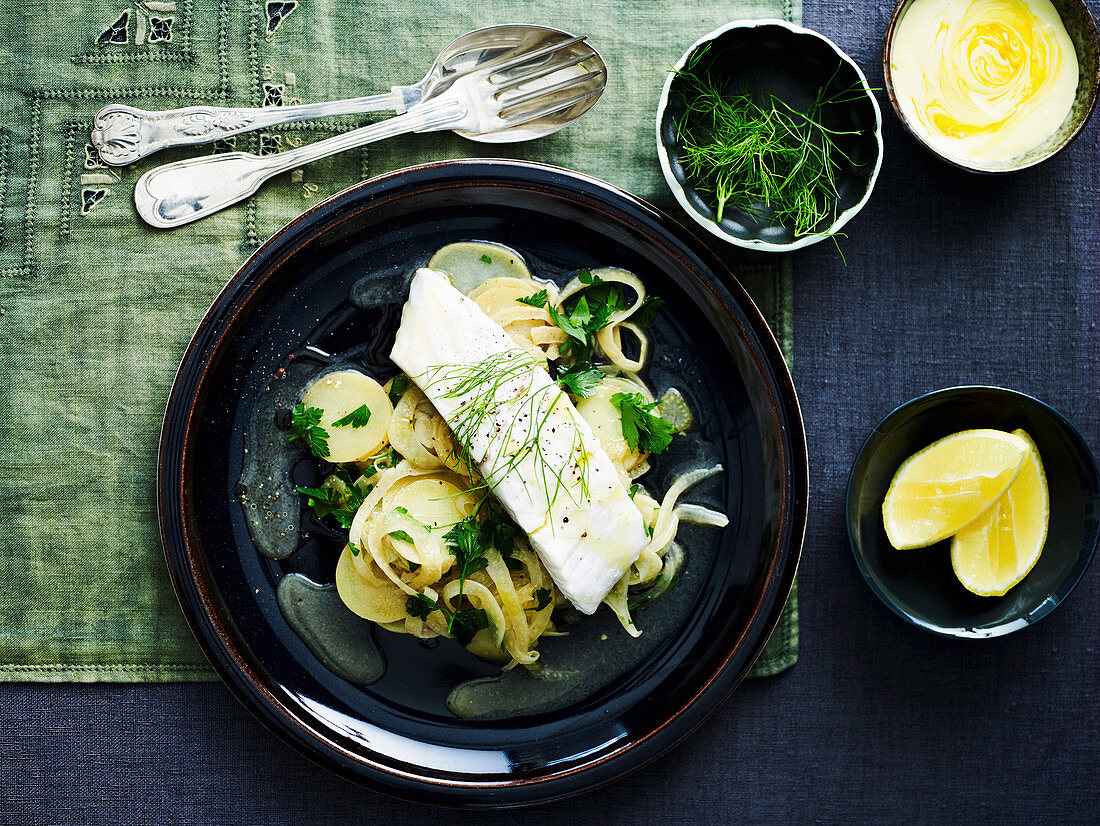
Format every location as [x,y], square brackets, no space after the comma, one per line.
[536,453]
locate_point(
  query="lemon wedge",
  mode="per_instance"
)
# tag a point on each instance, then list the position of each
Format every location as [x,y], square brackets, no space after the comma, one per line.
[995,551]
[950,483]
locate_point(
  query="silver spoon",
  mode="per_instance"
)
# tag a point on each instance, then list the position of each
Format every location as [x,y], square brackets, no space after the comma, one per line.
[516,98]
[123,134]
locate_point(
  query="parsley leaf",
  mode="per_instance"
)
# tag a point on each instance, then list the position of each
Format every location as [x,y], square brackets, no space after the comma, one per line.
[397,387]
[402,535]
[570,325]
[338,497]
[352,501]
[356,418]
[633,490]
[305,427]
[538,299]
[486,259]
[354,550]
[418,605]
[464,624]
[586,314]
[467,539]
[501,532]
[644,314]
[544,597]
[640,427]
[580,380]
[323,500]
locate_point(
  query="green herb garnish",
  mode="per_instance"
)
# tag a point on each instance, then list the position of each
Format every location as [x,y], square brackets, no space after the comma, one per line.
[640,427]
[501,531]
[467,540]
[397,387]
[354,550]
[645,314]
[582,316]
[538,299]
[305,427]
[544,597]
[402,535]
[419,606]
[323,500]
[757,153]
[338,497]
[486,259]
[481,386]
[463,624]
[580,380]
[356,418]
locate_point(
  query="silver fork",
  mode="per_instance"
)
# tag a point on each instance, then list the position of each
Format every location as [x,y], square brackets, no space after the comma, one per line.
[526,97]
[124,134]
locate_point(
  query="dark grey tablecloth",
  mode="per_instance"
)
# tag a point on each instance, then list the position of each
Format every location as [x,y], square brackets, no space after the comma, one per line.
[951,279]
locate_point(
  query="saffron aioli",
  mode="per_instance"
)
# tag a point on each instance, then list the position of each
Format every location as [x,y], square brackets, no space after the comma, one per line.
[983,81]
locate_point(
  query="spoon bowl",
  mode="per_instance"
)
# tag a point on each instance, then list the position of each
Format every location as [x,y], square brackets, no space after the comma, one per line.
[484,48]
[515,95]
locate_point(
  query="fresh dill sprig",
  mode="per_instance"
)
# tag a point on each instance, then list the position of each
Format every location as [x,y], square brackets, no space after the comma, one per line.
[757,153]
[484,390]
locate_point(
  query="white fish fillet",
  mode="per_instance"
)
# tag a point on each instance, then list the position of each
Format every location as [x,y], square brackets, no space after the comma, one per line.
[545,465]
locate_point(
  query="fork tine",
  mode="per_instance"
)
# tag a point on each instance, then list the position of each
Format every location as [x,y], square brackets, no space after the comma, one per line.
[543,72]
[546,91]
[528,57]
[516,118]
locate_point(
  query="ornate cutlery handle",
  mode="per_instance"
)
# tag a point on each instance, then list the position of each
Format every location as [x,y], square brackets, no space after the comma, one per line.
[123,134]
[185,191]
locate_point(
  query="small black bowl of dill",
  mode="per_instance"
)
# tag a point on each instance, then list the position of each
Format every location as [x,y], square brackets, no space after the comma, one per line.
[769,135]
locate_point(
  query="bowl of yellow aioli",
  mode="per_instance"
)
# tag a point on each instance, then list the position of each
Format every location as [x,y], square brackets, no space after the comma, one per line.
[993,85]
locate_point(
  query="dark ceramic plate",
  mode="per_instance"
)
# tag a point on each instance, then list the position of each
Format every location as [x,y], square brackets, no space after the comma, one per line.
[396,735]
[919,585]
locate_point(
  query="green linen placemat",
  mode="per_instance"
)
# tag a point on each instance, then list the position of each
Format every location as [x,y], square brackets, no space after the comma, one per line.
[96,309]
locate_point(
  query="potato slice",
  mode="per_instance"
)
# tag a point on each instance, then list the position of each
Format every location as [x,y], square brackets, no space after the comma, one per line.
[469,263]
[372,597]
[339,394]
[607,422]
[434,501]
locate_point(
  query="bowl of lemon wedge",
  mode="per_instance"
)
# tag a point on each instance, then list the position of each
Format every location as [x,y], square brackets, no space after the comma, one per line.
[973,511]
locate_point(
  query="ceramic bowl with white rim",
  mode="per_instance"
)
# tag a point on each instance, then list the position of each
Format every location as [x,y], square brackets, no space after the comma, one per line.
[795,64]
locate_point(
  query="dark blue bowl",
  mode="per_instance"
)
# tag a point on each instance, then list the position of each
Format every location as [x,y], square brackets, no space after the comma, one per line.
[920,585]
